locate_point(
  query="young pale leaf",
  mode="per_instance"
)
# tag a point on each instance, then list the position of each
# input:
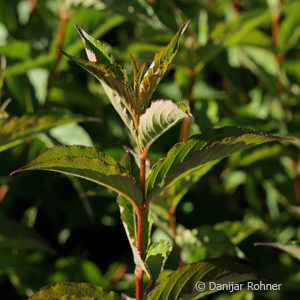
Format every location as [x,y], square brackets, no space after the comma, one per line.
[183,283]
[158,68]
[129,220]
[156,258]
[74,290]
[291,248]
[90,164]
[199,151]
[137,77]
[158,118]
[16,130]
[119,92]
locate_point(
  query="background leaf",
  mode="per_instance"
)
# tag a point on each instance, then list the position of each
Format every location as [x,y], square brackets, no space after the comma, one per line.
[73,290]
[291,248]
[17,129]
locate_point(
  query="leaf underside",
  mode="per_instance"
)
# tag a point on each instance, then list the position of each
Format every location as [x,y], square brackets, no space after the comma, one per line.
[119,92]
[90,164]
[158,118]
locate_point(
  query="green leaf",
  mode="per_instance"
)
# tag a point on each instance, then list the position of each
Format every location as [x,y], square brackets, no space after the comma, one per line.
[17,235]
[135,10]
[158,118]
[181,284]
[129,219]
[16,130]
[97,51]
[203,242]
[236,231]
[24,66]
[252,156]
[158,68]
[74,290]
[199,151]
[137,77]
[234,31]
[289,31]
[120,93]
[170,198]
[16,50]
[90,164]
[291,248]
[130,161]
[156,258]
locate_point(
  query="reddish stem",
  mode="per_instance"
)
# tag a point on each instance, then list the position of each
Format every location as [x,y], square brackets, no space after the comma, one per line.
[236,6]
[184,129]
[63,19]
[275,27]
[140,225]
[139,270]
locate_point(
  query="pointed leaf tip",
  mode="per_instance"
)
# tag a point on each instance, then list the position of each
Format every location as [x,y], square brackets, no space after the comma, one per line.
[90,164]
[158,67]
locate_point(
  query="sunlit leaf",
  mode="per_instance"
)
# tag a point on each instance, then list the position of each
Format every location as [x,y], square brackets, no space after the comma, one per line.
[120,93]
[74,291]
[90,164]
[181,284]
[158,68]
[158,118]
[17,129]
[21,67]
[199,151]
[156,258]
[289,32]
[129,219]
[97,51]
[233,31]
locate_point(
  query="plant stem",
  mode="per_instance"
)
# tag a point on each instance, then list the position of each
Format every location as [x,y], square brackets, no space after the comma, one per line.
[138,269]
[275,40]
[140,224]
[236,5]
[64,15]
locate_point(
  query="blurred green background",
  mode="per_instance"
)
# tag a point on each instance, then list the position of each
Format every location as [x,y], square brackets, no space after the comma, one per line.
[238,64]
